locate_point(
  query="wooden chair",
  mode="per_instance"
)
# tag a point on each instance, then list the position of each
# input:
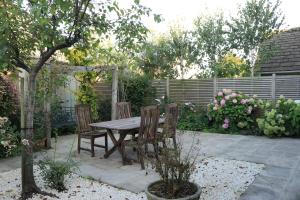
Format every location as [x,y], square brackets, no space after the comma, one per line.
[147,134]
[169,127]
[83,119]
[123,110]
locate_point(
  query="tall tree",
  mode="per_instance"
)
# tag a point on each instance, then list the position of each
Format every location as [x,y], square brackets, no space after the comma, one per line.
[181,49]
[255,22]
[32,31]
[211,41]
[155,59]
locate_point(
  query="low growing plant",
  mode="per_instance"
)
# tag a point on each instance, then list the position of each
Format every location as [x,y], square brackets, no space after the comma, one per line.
[192,117]
[55,171]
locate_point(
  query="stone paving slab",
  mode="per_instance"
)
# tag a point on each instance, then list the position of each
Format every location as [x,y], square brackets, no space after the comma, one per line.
[279,180]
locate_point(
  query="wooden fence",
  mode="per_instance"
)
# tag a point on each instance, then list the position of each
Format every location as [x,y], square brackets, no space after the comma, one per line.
[201,91]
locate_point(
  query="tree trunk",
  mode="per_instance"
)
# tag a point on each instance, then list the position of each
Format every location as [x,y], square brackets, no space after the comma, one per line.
[28,184]
[47,122]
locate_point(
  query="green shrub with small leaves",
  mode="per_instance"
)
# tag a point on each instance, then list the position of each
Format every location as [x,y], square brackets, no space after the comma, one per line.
[192,117]
[54,172]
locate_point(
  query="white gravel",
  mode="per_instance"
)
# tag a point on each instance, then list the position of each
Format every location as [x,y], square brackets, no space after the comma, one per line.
[220,179]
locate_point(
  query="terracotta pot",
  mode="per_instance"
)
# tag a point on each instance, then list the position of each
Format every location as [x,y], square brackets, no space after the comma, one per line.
[151,196]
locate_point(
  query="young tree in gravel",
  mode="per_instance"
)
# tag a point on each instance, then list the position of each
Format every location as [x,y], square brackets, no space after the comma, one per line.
[257,21]
[210,40]
[32,31]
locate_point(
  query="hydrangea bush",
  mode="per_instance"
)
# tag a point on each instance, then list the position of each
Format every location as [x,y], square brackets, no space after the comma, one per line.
[9,140]
[282,120]
[233,110]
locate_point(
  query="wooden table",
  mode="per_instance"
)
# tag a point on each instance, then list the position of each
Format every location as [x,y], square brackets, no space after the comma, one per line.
[122,127]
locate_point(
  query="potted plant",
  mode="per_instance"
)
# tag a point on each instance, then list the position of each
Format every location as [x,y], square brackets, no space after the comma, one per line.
[175,171]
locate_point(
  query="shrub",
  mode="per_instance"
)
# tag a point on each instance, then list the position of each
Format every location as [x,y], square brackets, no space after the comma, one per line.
[192,118]
[273,124]
[9,105]
[233,110]
[283,120]
[295,120]
[137,90]
[54,172]
[175,169]
[104,109]
[9,139]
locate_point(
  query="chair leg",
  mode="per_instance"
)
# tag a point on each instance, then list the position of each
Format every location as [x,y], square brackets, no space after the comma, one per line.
[93,146]
[124,158]
[174,141]
[156,150]
[106,143]
[141,157]
[78,145]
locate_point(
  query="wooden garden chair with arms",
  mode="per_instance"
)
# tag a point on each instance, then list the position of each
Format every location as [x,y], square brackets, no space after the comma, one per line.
[83,119]
[169,127]
[147,134]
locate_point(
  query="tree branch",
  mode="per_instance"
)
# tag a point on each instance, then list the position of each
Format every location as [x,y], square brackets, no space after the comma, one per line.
[19,63]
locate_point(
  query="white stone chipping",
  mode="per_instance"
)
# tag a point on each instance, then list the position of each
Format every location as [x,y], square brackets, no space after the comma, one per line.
[219,178]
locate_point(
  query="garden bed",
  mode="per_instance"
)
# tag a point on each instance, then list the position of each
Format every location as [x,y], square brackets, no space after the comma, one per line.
[220,179]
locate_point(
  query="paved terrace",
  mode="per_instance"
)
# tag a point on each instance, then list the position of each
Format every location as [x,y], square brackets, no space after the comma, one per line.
[279,180]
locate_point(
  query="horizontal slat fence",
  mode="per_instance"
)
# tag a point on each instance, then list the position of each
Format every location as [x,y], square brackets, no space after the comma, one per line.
[202,91]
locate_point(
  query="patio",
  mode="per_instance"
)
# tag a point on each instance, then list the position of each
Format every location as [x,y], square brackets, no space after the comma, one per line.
[278,180]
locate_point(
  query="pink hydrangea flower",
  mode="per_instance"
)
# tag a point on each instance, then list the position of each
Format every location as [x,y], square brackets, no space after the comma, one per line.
[215,101]
[243,101]
[233,94]
[234,101]
[220,94]
[226,121]
[225,126]
[223,101]
[227,97]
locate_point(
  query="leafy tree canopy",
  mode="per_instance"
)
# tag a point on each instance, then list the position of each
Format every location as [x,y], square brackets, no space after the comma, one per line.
[256,22]
[39,28]
[231,66]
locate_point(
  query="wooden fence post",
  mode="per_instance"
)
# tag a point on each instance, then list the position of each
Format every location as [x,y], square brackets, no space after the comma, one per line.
[114,93]
[273,87]
[215,87]
[168,88]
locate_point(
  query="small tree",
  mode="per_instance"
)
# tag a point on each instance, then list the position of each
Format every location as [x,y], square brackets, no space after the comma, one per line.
[211,41]
[256,22]
[33,31]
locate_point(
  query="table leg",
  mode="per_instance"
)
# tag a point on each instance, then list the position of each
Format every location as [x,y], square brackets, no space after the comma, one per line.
[117,143]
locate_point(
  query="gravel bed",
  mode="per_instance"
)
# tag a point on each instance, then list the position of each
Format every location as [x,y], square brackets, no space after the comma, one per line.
[220,179]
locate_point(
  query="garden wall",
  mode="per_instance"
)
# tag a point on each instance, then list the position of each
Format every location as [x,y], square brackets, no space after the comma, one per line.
[201,91]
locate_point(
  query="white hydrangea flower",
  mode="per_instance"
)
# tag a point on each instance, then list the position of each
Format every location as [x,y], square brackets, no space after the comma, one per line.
[25,142]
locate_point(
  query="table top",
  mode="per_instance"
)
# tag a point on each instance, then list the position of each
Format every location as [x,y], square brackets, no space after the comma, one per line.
[122,124]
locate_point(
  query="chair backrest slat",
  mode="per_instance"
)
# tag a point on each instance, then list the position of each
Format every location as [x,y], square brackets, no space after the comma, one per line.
[169,128]
[149,123]
[83,118]
[124,110]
